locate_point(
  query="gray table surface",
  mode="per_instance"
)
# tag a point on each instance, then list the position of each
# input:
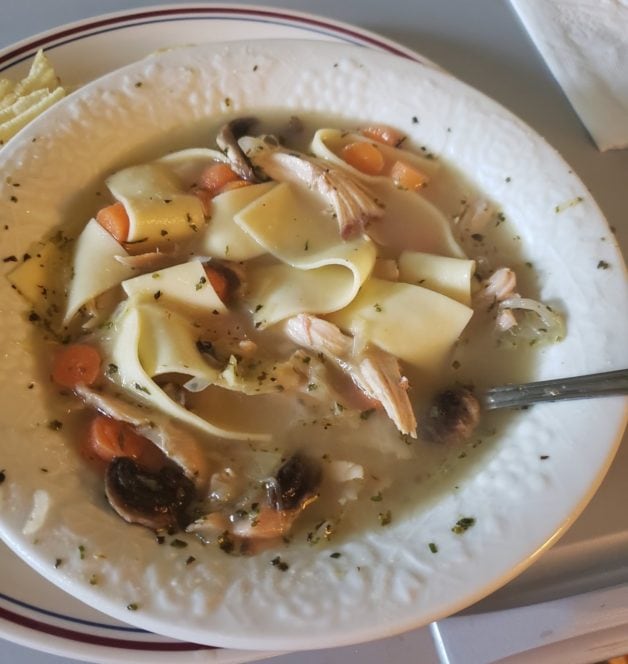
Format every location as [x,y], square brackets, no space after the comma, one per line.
[481,42]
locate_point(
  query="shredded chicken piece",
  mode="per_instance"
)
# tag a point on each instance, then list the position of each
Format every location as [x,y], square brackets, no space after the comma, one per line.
[377,373]
[177,444]
[382,379]
[499,286]
[319,335]
[353,205]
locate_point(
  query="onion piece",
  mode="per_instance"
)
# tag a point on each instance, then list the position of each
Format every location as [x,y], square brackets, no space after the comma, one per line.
[553,323]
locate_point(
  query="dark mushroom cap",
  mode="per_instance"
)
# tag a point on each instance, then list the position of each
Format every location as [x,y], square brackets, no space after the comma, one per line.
[295,482]
[452,417]
[156,500]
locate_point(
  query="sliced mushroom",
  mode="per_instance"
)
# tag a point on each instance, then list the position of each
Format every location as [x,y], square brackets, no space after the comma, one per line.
[227,140]
[156,500]
[294,485]
[452,417]
[177,444]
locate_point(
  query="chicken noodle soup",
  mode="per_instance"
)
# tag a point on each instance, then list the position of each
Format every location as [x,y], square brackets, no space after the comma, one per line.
[255,329]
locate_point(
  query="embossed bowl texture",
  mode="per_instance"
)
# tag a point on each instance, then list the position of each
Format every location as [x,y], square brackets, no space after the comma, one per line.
[387,580]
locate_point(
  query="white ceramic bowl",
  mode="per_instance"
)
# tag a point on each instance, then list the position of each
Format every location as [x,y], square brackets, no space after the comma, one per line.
[387,580]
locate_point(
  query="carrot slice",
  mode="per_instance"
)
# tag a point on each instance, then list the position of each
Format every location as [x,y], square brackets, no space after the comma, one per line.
[115,220]
[364,157]
[215,177]
[108,438]
[384,134]
[77,364]
[219,282]
[408,177]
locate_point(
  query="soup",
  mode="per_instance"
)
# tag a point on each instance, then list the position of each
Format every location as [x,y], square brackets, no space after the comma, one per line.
[253,333]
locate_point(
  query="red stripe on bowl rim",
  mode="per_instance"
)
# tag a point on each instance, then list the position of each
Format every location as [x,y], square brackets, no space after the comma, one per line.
[29,46]
[91,639]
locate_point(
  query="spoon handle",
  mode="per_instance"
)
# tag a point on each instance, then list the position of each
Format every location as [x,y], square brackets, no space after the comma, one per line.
[580,387]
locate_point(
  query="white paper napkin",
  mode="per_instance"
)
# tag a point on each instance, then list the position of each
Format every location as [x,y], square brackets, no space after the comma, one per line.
[585,45]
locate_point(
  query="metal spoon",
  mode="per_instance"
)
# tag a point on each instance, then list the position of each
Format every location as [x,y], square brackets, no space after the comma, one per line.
[581,387]
[454,413]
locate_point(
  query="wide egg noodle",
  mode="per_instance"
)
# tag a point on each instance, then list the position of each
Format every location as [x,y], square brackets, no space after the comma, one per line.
[95,268]
[40,280]
[158,205]
[132,344]
[415,324]
[168,344]
[223,238]
[185,285]
[410,221]
[445,275]
[188,164]
[318,272]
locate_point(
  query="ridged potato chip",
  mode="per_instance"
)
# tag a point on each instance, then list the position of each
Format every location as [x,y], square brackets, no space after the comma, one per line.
[23,101]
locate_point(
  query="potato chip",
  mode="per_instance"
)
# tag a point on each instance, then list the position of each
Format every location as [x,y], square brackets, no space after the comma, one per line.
[6,86]
[11,127]
[22,102]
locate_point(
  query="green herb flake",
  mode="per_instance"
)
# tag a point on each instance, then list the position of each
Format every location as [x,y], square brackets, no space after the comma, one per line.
[432,547]
[200,283]
[2,476]
[377,498]
[157,295]
[378,307]
[81,549]
[365,414]
[93,580]
[226,543]
[112,369]
[311,387]
[178,544]
[336,554]
[544,457]
[155,275]
[132,606]
[58,562]
[190,560]
[258,307]
[279,564]
[55,425]
[603,265]
[141,388]
[462,525]
[385,518]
